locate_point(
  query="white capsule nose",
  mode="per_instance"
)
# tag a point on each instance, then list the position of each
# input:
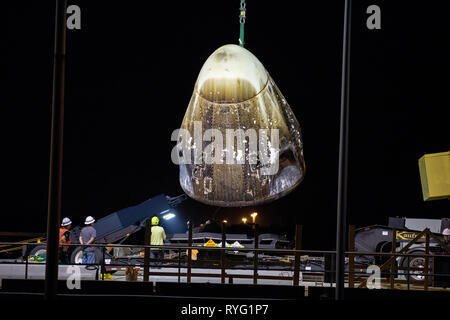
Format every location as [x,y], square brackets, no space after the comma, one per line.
[231,74]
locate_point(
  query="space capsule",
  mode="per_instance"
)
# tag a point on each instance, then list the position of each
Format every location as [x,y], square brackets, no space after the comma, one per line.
[234,94]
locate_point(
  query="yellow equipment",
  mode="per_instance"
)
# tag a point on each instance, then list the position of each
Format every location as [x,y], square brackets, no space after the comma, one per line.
[194,253]
[107,276]
[210,243]
[435,175]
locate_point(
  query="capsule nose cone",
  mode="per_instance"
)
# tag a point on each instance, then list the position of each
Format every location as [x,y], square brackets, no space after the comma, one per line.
[234,93]
[231,74]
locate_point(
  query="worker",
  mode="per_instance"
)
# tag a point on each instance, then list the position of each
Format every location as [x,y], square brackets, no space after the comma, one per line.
[446,234]
[87,236]
[157,239]
[64,238]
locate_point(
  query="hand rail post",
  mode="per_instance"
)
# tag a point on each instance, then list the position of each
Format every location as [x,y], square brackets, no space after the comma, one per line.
[409,272]
[427,260]
[147,237]
[351,257]
[95,266]
[394,261]
[102,270]
[26,261]
[179,265]
[189,258]
[222,255]
[298,246]
[255,255]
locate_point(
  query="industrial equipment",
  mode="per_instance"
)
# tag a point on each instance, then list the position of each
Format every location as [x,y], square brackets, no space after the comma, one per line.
[435,175]
[119,225]
[378,238]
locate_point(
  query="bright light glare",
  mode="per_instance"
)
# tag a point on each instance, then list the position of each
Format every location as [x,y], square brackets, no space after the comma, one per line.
[168,216]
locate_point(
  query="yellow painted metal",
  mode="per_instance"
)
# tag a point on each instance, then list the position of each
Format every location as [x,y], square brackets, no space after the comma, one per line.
[210,243]
[13,248]
[10,249]
[435,175]
[407,235]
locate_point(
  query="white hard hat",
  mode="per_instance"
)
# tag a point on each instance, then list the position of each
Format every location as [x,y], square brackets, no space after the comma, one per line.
[66,221]
[446,232]
[89,220]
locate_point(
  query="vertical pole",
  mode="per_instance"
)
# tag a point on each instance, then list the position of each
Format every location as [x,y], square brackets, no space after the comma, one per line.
[427,259]
[394,261]
[103,263]
[409,271]
[26,261]
[189,258]
[343,156]
[351,257]
[147,238]
[222,254]
[255,255]
[179,265]
[56,152]
[298,246]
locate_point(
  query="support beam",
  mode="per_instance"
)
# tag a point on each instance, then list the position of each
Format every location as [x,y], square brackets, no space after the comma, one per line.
[56,152]
[343,156]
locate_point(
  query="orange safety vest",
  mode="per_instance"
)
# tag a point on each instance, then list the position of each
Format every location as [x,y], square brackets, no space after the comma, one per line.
[61,234]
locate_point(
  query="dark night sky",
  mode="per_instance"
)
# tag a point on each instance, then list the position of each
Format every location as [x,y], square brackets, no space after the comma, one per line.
[130,74]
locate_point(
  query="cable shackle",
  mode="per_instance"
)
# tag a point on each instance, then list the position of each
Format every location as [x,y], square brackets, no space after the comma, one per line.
[242,10]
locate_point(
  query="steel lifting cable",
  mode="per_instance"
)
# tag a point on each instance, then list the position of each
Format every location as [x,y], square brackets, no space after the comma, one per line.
[242,10]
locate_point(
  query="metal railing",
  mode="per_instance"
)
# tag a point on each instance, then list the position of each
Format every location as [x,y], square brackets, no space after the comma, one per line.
[314,266]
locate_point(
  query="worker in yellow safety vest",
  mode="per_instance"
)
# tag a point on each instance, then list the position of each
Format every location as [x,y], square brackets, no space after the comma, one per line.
[157,239]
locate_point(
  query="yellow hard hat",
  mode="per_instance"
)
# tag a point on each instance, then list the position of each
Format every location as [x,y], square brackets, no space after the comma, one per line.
[155,221]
